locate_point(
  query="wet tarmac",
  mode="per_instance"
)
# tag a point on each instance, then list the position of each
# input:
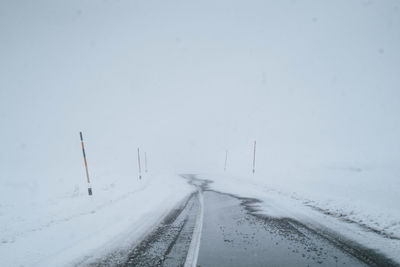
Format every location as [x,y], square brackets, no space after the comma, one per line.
[233,235]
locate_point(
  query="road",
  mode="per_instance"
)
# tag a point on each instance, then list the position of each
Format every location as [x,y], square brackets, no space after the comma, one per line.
[231,235]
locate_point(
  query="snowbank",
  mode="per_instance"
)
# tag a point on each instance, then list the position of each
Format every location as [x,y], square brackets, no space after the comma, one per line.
[347,200]
[76,228]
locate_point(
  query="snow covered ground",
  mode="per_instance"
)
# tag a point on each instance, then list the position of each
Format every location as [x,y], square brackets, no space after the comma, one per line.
[314,82]
[75,228]
[346,200]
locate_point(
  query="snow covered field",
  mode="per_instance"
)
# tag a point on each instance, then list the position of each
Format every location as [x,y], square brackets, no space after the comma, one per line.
[76,228]
[347,201]
[316,83]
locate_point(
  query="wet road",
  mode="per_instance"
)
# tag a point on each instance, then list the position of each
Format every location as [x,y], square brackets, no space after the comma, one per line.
[233,236]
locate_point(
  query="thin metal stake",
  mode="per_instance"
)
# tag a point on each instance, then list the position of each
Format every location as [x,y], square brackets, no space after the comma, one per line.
[140,169]
[226,159]
[254,158]
[87,170]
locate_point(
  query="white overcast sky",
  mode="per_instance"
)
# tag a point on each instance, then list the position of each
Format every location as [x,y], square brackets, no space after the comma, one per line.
[310,80]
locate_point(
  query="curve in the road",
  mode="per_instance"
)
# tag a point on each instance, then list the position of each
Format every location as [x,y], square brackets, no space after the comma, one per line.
[217,229]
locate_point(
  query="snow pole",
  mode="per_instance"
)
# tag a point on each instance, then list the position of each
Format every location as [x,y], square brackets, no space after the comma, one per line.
[86,167]
[145,162]
[254,158]
[226,159]
[140,169]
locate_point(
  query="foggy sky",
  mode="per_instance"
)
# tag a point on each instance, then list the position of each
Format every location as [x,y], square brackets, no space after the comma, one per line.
[311,81]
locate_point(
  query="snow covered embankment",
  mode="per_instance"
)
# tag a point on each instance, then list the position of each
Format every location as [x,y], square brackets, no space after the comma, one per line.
[77,229]
[352,204]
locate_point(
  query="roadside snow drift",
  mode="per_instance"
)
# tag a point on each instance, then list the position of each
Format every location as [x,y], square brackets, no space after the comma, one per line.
[76,228]
[350,204]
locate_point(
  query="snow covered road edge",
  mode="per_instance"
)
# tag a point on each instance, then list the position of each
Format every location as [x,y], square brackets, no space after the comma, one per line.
[77,230]
[193,253]
[280,204]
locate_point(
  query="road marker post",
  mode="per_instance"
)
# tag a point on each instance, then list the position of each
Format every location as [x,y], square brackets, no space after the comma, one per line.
[226,159]
[90,192]
[254,158]
[140,169]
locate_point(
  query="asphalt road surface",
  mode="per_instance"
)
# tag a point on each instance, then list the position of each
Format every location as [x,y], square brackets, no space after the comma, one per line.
[232,235]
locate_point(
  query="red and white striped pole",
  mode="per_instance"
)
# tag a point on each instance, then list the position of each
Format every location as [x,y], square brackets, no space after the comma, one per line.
[87,171]
[140,169]
[254,158]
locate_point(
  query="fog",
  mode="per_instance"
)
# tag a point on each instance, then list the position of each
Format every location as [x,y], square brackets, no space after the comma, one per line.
[314,82]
